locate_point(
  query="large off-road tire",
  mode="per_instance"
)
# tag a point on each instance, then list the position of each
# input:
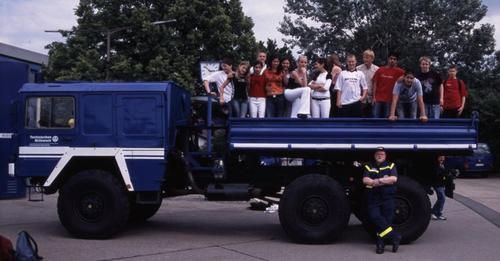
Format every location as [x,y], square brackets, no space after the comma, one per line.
[142,212]
[314,209]
[93,204]
[412,213]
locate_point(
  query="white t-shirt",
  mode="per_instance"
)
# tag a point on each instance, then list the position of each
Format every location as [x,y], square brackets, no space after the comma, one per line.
[350,84]
[322,80]
[219,78]
[369,73]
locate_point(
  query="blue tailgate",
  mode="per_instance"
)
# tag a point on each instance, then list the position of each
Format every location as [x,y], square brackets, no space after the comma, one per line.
[352,134]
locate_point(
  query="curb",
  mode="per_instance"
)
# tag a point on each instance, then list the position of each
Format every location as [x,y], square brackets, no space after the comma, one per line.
[484,211]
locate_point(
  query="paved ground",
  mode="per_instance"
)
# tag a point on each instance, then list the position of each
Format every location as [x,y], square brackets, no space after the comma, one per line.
[190,228]
[483,190]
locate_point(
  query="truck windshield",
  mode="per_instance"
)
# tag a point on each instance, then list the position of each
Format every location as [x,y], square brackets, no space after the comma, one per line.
[50,112]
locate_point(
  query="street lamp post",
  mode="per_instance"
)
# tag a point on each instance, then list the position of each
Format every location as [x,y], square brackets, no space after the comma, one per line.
[109,32]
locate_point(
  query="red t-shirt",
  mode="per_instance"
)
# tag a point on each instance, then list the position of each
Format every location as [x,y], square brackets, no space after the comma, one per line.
[453,93]
[386,77]
[257,86]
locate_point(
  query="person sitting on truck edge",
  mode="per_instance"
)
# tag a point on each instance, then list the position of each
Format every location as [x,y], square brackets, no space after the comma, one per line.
[275,100]
[406,95]
[352,89]
[454,94]
[257,92]
[219,78]
[320,104]
[380,177]
[239,80]
[438,185]
[432,88]
[383,84]
[297,92]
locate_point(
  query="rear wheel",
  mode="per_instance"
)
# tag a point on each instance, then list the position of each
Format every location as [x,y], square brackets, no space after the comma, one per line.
[93,204]
[314,209]
[412,211]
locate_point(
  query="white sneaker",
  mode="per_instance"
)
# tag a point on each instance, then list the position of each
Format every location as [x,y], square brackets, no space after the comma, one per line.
[441,217]
[434,217]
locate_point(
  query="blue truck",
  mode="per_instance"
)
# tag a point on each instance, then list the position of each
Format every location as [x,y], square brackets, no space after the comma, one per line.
[113,151]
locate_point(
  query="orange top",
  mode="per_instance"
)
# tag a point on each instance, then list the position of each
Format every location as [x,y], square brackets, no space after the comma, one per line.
[274,83]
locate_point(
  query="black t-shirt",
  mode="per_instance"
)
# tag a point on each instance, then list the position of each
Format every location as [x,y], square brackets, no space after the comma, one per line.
[430,86]
[240,88]
[292,84]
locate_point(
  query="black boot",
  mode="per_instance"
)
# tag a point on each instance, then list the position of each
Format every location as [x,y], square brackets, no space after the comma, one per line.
[380,248]
[302,116]
[395,243]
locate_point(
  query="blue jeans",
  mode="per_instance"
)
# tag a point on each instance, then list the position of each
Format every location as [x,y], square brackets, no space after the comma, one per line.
[240,108]
[381,109]
[437,209]
[275,106]
[407,110]
[433,111]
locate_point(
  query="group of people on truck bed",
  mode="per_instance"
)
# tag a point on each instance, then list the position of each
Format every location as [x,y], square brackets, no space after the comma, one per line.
[276,89]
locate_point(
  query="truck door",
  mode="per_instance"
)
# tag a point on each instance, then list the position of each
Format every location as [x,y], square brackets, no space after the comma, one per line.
[139,121]
[48,130]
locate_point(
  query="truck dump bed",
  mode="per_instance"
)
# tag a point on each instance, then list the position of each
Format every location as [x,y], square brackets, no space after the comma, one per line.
[448,136]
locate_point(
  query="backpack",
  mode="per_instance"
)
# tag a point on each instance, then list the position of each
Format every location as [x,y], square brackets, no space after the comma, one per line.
[6,249]
[26,248]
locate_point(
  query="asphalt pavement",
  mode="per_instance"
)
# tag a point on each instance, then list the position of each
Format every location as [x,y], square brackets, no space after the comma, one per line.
[190,228]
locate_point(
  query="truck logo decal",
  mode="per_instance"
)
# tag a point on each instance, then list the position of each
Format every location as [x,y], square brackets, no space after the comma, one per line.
[6,135]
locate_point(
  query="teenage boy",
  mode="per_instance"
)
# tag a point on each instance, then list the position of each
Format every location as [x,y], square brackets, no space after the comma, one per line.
[368,69]
[432,88]
[383,83]
[352,89]
[407,95]
[454,95]
[261,57]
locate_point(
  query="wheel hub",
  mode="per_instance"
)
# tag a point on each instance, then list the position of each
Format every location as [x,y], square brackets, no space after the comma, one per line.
[90,207]
[314,210]
[402,212]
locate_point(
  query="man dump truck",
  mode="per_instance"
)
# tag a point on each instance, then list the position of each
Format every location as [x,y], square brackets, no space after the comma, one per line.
[113,151]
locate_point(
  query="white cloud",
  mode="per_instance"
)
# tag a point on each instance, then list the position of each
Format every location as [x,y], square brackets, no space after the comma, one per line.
[266,16]
[22,22]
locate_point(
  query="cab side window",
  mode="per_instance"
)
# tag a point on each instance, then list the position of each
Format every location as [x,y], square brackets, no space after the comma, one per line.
[50,112]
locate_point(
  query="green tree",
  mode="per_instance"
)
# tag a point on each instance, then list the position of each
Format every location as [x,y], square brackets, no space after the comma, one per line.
[445,30]
[204,30]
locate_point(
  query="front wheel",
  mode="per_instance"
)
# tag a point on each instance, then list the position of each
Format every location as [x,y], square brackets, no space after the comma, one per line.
[314,209]
[93,204]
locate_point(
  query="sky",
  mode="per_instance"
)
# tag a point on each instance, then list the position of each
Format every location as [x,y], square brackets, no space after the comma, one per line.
[22,22]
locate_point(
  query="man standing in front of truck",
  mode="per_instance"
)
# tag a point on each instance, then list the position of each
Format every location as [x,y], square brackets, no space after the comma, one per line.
[380,178]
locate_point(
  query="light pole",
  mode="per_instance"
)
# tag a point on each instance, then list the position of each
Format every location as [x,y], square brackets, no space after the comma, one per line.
[109,32]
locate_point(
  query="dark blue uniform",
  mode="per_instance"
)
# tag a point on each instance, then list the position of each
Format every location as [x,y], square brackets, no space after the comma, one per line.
[380,200]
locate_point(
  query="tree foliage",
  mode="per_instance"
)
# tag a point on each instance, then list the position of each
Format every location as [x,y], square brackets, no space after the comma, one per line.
[445,30]
[141,51]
